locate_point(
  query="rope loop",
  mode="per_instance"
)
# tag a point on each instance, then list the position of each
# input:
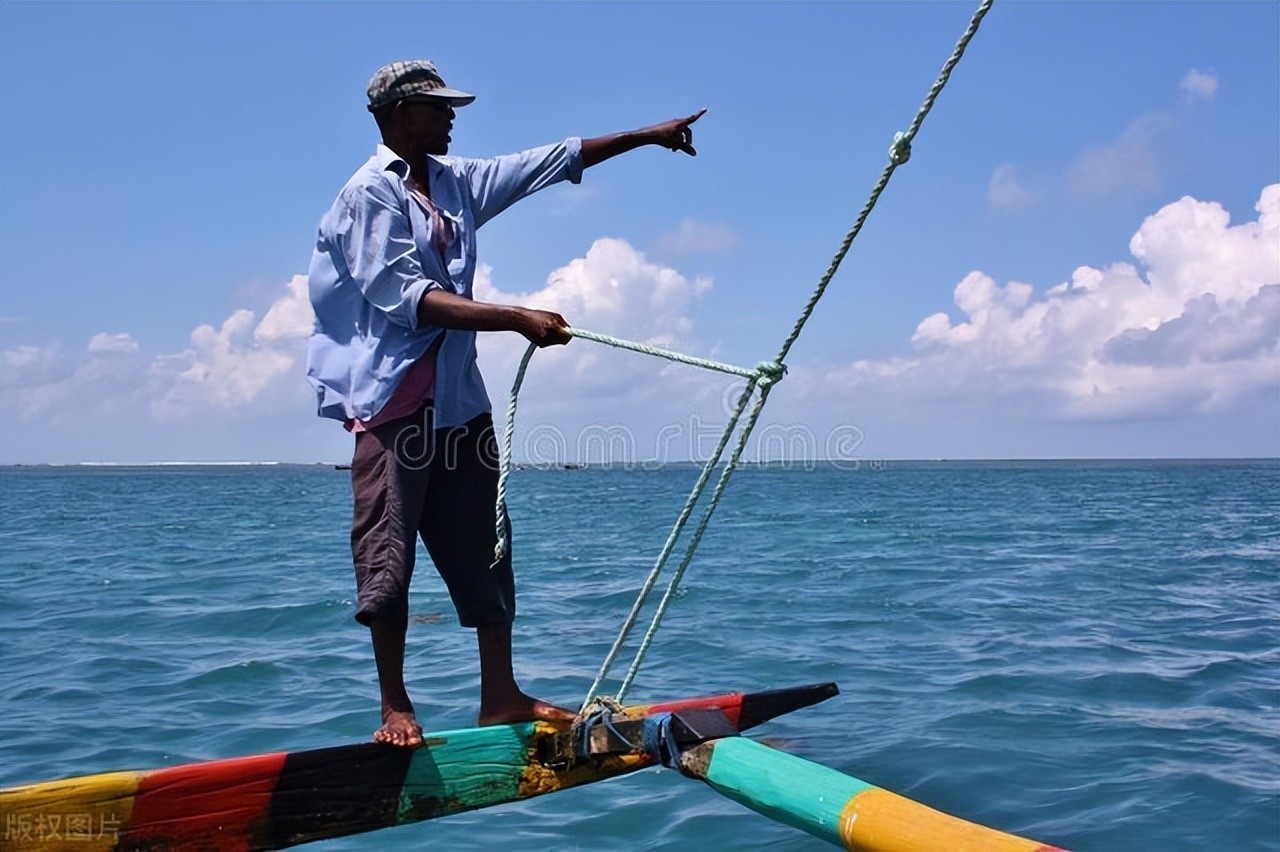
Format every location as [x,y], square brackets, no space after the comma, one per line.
[770,372]
[900,150]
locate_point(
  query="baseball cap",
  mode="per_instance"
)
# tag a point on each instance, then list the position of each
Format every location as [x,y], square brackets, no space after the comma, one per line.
[398,80]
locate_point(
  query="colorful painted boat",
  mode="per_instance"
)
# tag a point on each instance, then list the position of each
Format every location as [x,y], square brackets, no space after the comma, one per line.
[836,807]
[276,800]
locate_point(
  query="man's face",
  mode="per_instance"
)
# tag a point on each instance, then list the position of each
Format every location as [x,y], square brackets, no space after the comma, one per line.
[428,119]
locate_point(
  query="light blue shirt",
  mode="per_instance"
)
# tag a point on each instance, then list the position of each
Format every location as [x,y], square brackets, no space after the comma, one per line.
[374,258]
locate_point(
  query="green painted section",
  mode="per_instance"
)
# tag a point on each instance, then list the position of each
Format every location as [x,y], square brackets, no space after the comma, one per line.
[790,789]
[465,769]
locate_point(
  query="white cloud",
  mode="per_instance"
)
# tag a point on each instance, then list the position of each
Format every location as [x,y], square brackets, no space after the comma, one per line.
[615,290]
[28,365]
[693,237]
[1199,85]
[289,317]
[1006,192]
[246,366]
[232,368]
[104,342]
[1194,328]
[225,368]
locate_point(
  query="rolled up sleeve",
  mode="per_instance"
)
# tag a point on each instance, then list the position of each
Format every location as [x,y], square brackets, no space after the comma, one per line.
[498,182]
[378,249]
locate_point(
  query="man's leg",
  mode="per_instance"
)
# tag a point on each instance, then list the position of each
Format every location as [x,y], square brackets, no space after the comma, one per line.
[458,527]
[399,723]
[389,478]
[501,699]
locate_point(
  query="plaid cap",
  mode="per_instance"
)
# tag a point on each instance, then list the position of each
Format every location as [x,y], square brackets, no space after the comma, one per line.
[398,80]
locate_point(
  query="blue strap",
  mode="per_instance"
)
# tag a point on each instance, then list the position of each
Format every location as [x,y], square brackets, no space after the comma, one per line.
[660,740]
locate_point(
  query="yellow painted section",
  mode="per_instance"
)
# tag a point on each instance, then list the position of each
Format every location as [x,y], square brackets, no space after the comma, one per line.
[537,780]
[876,820]
[89,813]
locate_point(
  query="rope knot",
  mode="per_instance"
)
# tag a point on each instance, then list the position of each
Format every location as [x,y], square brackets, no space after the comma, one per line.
[770,372]
[900,150]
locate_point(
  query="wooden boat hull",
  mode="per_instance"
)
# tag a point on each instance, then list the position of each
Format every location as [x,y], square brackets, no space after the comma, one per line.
[836,807]
[277,800]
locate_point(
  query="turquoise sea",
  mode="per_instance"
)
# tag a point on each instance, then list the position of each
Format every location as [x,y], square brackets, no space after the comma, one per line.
[1087,653]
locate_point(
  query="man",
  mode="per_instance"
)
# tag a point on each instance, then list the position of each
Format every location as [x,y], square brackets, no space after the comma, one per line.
[393,357]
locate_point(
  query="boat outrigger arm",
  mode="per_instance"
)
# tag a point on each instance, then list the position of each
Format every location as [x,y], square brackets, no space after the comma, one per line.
[836,807]
[272,801]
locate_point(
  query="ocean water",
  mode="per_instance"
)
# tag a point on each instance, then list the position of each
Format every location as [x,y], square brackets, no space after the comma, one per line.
[1087,653]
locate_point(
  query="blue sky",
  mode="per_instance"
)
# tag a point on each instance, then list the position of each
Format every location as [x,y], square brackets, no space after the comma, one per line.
[1081,259]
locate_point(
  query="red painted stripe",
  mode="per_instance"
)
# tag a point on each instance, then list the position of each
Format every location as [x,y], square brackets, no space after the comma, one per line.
[730,705]
[219,806]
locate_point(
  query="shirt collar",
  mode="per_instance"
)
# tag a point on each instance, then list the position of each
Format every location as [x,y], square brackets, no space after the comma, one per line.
[389,160]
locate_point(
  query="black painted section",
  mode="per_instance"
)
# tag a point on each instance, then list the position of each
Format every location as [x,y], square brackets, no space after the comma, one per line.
[332,792]
[760,707]
[690,727]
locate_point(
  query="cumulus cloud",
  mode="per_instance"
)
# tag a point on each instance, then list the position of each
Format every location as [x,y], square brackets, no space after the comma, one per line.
[27,367]
[1199,85]
[232,366]
[613,289]
[224,370]
[1192,327]
[104,342]
[290,317]
[253,365]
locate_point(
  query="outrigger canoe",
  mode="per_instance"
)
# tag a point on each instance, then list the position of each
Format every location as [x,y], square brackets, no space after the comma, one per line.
[272,801]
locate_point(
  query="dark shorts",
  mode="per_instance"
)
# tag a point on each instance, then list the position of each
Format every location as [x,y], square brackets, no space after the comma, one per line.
[411,480]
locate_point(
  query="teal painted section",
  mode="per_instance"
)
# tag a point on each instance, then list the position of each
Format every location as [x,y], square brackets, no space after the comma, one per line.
[790,789]
[464,769]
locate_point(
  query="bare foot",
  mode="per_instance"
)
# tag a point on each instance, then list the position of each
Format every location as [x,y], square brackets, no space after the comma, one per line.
[522,708]
[399,729]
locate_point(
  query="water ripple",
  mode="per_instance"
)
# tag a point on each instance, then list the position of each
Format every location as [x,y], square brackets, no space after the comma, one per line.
[1084,653]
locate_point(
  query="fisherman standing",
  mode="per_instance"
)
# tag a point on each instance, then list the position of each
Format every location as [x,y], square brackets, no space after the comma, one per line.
[393,356]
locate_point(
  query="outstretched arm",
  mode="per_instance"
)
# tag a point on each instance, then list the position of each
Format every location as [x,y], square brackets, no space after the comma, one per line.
[676,134]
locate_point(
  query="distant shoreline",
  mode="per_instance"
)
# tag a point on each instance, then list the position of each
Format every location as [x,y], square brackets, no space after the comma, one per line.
[651,465]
